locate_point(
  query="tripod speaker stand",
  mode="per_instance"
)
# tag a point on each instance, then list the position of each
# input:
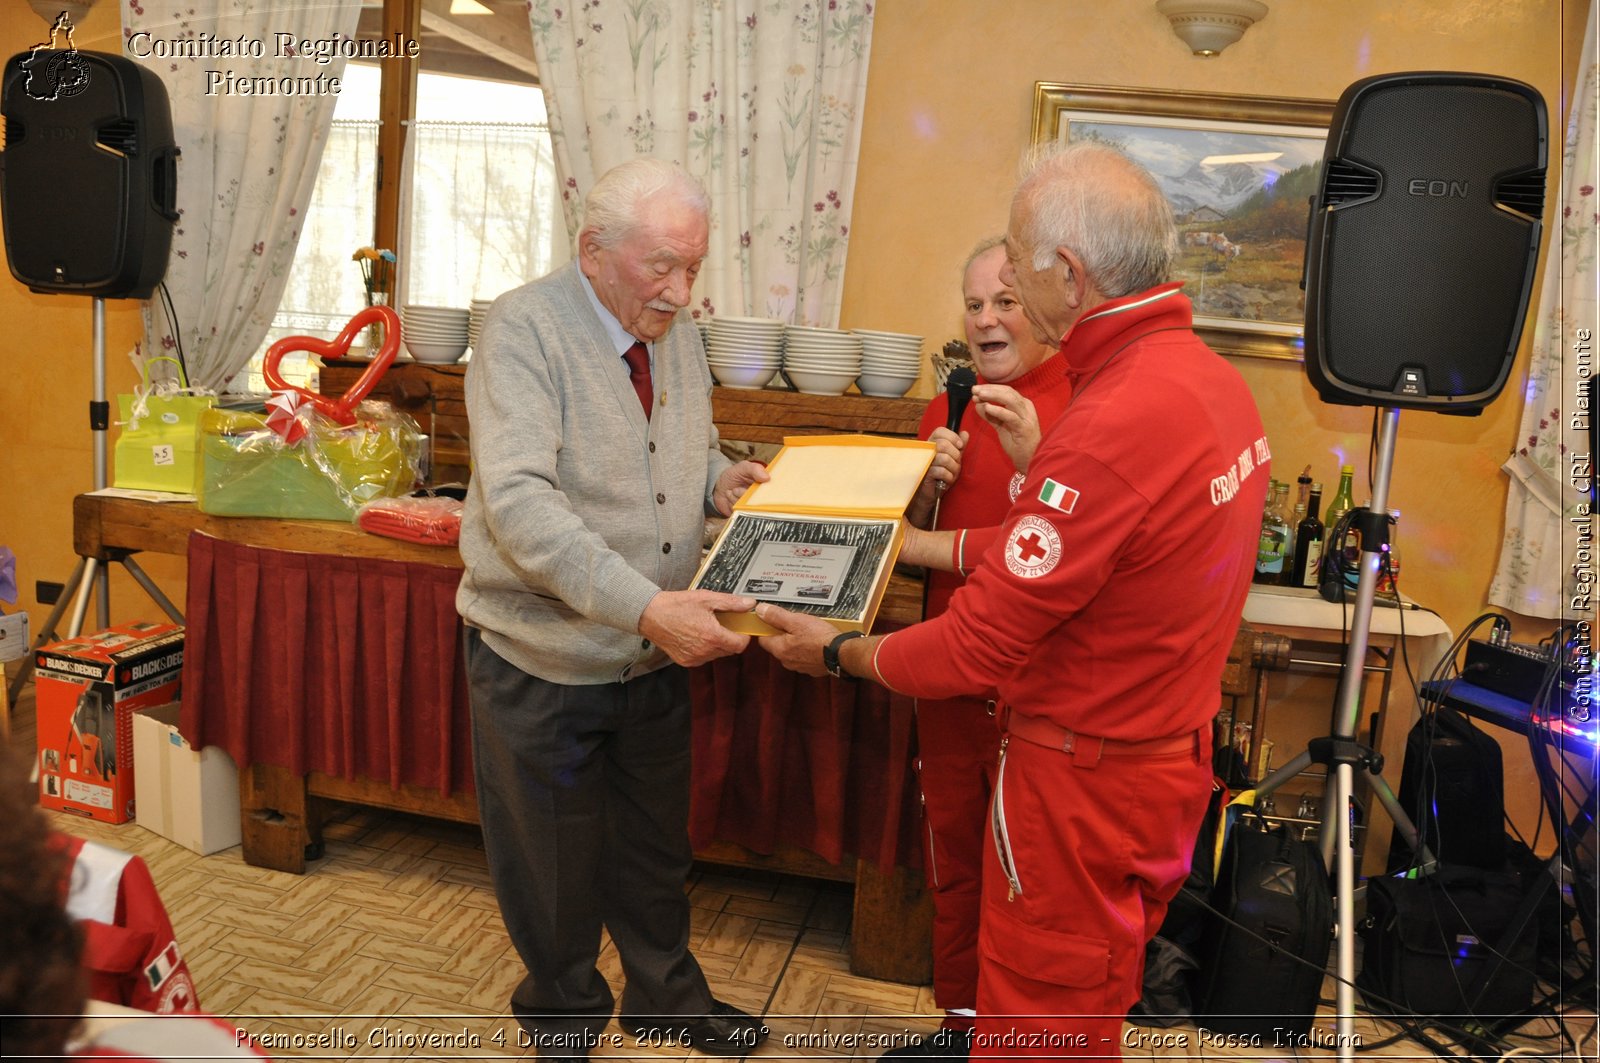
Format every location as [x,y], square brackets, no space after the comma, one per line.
[1420,260]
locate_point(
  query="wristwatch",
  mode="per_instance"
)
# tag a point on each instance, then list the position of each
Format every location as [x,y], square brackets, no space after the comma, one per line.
[830,654]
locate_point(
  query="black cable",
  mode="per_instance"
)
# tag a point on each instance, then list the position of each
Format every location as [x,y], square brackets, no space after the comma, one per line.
[176,331]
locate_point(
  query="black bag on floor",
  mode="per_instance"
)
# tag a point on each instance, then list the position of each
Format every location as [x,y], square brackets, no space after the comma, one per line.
[1457,944]
[1169,963]
[1267,976]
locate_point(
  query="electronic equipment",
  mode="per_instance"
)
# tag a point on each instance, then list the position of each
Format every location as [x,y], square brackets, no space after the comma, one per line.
[958,386]
[1452,785]
[1509,668]
[89,173]
[1422,248]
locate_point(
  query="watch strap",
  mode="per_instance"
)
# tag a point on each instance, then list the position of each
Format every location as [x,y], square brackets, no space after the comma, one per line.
[830,654]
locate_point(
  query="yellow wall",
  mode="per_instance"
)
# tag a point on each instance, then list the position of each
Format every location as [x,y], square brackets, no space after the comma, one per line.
[948,113]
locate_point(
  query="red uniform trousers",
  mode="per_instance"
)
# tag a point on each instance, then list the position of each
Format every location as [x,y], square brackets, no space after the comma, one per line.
[958,743]
[1098,849]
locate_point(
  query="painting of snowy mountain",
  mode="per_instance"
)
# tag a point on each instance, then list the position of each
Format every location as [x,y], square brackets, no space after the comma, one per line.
[1241,199]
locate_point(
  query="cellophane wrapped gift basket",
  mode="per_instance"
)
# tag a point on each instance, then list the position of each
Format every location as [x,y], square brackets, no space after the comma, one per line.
[309,456]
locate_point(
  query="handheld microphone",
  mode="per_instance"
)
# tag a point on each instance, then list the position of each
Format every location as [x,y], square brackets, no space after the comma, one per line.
[958,386]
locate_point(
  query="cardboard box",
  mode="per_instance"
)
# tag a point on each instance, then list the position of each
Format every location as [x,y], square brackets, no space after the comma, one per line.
[185,795]
[821,536]
[86,692]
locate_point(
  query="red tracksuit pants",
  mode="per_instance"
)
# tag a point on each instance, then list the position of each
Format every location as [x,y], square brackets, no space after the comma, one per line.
[957,758]
[1083,858]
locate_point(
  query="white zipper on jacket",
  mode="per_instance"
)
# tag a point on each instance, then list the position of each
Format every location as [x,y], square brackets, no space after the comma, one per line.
[997,824]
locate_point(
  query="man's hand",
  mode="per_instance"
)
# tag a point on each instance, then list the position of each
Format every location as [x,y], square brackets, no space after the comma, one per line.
[684,624]
[799,648]
[1013,418]
[732,483]
[944,471]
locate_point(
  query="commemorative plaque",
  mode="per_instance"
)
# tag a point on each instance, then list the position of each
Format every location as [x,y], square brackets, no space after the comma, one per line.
[822,535]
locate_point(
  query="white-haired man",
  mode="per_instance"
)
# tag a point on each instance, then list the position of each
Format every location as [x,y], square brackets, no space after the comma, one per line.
[595,463]
[1102,614]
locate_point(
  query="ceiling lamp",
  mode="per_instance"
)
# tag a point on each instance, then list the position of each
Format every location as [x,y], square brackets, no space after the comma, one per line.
[49,9]
[1208,26]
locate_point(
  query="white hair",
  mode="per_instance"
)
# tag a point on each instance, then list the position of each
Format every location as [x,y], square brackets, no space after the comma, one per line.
[1107,208]
[612,209]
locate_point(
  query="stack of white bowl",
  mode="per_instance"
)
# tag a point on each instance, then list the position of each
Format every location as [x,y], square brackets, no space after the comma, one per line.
[821,361]
[434,334]
[475,315]
[744,352]
[891,362]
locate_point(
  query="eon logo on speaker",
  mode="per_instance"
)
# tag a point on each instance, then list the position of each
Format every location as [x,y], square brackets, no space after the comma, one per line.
[58,133]
[1437,188]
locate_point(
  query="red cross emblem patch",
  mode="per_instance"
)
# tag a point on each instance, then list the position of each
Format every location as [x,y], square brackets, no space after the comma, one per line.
[1034,547]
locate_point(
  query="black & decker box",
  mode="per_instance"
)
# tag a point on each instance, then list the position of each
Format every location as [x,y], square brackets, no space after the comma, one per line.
[87,690]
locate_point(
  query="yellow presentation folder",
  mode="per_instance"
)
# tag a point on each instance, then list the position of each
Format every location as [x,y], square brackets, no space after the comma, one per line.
[822,535]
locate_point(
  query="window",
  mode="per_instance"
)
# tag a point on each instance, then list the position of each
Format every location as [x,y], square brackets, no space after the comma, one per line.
[479,210]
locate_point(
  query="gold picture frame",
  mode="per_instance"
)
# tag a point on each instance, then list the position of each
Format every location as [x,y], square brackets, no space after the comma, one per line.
[1243,278]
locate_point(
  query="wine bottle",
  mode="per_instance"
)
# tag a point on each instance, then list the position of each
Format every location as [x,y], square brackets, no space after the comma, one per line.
[1341,503]
[1275,531]
[1308,542]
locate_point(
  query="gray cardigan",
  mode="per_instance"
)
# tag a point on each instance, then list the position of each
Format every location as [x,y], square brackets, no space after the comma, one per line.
[579,510]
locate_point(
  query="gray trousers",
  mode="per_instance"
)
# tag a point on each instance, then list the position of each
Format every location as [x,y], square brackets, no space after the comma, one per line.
[583,794]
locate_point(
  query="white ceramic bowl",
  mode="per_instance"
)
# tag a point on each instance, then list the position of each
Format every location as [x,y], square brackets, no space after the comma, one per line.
[436,353]
[822,365]
[748,377]
[811,382]
[881,386]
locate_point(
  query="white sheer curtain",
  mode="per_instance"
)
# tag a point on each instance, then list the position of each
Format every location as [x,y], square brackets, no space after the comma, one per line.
[245,176]
[1546,506]
[494,181]
[761,101]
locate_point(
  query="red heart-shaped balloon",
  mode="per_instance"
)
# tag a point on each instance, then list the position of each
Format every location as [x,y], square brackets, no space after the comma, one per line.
[341,409]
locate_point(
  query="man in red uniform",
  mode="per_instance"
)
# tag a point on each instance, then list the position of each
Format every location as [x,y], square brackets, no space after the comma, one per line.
[1102,612]
[957,737]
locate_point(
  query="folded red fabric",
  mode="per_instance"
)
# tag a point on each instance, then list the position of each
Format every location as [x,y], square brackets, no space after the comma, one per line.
[433,521]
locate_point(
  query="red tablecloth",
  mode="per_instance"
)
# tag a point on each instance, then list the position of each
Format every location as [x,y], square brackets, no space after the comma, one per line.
[352,667]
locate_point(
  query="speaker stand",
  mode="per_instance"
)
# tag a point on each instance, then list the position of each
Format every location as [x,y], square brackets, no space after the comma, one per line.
[92,575]
[1343,754]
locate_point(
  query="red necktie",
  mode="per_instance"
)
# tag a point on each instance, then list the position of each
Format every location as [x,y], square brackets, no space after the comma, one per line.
[638,359]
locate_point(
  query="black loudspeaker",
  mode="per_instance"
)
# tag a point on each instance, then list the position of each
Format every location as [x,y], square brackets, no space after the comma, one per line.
[88,177]
[1423,240]
[1452,785]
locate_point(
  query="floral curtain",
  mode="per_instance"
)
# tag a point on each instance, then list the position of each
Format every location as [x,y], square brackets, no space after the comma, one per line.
[245,177]
[1548,503]
[760,99]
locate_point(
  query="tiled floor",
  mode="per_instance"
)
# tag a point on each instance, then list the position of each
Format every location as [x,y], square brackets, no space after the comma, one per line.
[392,947]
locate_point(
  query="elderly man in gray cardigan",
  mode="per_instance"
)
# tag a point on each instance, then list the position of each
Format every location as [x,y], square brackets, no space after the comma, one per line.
[595,463]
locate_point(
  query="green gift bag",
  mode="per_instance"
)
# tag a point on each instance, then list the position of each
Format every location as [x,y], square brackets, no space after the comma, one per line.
[160,433]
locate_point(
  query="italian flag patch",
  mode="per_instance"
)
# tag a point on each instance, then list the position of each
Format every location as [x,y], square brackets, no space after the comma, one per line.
[1058,496]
